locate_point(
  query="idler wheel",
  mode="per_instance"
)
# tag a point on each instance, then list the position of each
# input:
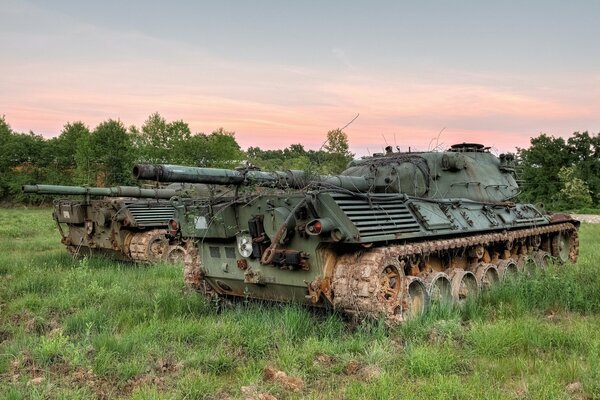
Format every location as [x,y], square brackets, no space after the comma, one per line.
[464,285]
[561,246]
[439,288]
[487,276]
[414,297]
[507,270]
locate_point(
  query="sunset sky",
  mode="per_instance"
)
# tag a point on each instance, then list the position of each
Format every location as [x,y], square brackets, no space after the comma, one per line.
[282,72]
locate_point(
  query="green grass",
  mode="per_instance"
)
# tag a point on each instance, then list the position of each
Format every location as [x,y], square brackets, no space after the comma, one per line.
[96,328]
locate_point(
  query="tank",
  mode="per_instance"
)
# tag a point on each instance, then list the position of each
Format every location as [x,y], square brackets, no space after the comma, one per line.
[391,235]
[123,222]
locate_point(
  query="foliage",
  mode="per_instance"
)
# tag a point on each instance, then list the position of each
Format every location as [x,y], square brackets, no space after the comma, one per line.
[542,162]
[105,156]
[331,160]
[84,172]
[338,154]
[575,191]
[161,142]
[111,154]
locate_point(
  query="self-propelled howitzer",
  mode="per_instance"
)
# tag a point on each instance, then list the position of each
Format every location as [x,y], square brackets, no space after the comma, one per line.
[386,237]
[124,222]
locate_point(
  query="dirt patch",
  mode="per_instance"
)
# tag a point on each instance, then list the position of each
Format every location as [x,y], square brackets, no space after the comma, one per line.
[369,372]
[575,390]
[364,372]
[292,383]
[167,366]
[25,367]
[324,360]
[139,381]
[251,393]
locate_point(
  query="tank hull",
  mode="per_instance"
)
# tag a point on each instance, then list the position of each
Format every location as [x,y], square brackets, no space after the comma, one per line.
[384,256]
[123,229]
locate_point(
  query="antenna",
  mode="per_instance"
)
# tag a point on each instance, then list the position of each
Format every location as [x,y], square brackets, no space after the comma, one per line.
[386,143]
[353,119]
[341,129]
[437,140]
[396,143]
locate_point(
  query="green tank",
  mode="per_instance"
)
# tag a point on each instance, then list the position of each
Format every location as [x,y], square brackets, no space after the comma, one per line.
[124,222]
[389,236]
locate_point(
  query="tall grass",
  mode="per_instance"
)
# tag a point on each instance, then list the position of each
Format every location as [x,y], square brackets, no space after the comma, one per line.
[95,328]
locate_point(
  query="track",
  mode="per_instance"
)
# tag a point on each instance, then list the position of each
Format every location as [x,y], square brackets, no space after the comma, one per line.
[397,281]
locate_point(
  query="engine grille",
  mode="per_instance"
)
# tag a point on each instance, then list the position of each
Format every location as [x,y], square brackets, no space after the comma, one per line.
[147,216]
[375,218]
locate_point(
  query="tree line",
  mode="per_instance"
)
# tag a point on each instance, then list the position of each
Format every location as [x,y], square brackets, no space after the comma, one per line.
[563,174]
[105,155]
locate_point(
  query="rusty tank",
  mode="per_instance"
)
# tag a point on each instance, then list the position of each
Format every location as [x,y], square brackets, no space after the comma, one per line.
[123,222]
[394,233]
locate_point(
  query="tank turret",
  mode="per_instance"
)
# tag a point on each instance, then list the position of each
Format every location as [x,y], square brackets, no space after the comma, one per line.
[465,171]
[390,235]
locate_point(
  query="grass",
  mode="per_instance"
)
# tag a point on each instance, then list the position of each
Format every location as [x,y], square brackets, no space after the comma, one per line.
[95,328]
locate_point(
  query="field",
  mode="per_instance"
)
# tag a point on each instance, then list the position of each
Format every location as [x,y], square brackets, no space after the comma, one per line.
[94,328]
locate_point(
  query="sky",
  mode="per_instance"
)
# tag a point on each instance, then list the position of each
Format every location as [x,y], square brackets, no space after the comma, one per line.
[419,74]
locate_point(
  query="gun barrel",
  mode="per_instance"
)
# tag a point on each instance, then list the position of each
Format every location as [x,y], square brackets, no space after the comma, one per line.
[116,191]
[178,173]
[281,179]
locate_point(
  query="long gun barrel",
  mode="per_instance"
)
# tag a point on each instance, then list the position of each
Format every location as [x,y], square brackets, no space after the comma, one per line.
[116,191]
[281,179]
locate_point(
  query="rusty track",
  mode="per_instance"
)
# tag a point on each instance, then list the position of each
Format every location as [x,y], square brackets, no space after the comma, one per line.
[149,246]
[357,288]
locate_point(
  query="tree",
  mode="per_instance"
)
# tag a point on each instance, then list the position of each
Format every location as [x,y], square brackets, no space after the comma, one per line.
[84,160]
[162,142]
[586,152]
[111,154]
[575,193]
[63,153]
[338,153]
[540,164]
[5,163]
[550,162]
[24,158]
[223,149]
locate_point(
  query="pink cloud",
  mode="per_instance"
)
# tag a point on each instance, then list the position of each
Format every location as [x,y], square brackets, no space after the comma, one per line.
[274,106]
